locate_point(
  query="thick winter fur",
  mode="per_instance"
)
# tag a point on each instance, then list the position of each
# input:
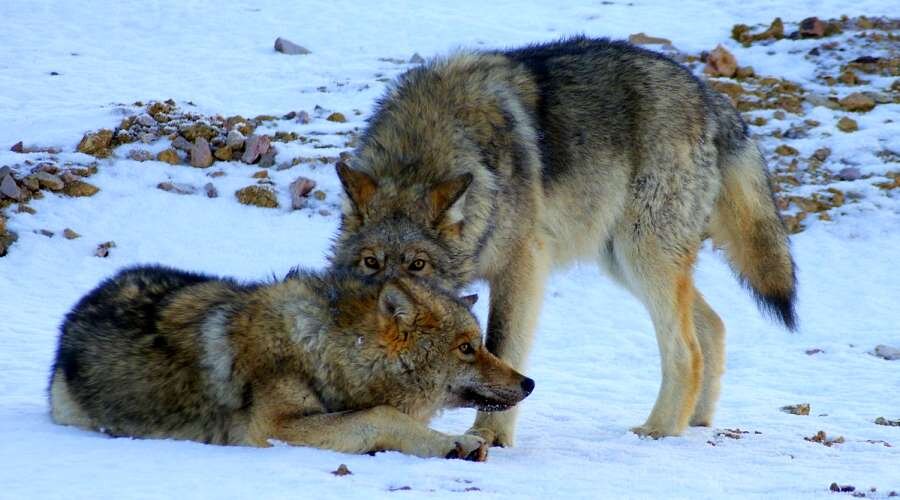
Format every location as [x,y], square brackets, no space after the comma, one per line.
[502,165]
[325,360]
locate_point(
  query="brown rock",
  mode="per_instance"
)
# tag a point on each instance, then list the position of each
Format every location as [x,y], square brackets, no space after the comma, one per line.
[799,409]
[80,188]
[199,129]
[49,181]
[857,101]
[268,159]
[261,174]
[17,147]
[720,62]
[847,125]
[821,154]
[169,156]
[177,187]
[812,27]
[25,209]
[644,39]
[211,191]
[848,77]
[70,234]
[44,232]
[201,155]
[224,153]
[96,144]
[288,47]
[785,150]
[10,189]
[103,249]
[745,72]
[337,117]
[140,155]
[342,470]
[731,89]
[217,173]
[319,195]
[300,190]
[260,196]
[254,147]
[181,143]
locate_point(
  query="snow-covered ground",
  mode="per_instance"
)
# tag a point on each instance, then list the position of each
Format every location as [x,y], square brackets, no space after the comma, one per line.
[595,359]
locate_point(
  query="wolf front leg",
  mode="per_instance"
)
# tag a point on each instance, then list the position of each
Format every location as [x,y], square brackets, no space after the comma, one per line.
[376,429]
[517,292]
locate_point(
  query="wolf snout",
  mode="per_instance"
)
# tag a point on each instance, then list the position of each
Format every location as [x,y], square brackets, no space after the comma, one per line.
[527,386]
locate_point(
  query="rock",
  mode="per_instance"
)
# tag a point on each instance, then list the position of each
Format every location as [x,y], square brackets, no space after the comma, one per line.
[169,156]
[268,159]
[254,147]
[103,249]
[848,77]
[720,62]
[80,188]
[25,209]
[49,181]
[260,196]
[416,59]
[319,195]
[880,97]
[235,139]
[201,155]
[821,437]
[17,147]
[884,421]
[745,72]
[146,120]
[342,470]
[224,153]
[644,39]
[70,234]
[261,174]
[887,352]
[847,125]
[288,47]
[217,173]
[799,409]
[303,117]
[785,150]
[140,155]
[731,89]
[181,143]
[96,144]
[10,189]
[300,190]
[44,232]
[857,101]
[812,27]
[211,191]
[337,117]
[177,187]
[849,174]
[199,129]
[741,32]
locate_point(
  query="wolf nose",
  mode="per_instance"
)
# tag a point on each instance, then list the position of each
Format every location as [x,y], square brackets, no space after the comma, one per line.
[527,386]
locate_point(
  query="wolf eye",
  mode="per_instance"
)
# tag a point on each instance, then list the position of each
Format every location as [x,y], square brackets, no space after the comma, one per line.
[417,265]
[466,348]
[371,262]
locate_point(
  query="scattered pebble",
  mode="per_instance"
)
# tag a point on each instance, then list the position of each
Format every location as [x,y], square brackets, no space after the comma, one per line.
[848,174]
[10,189]
[80,188]
[96,143]
[887,352]
[644,39]
[260,196]
[847,125]
[300,190]
[70,234]
[857,101]
[177,187]
[288,47]
[342,470]
[889,423]
[181,143]
[211,191]
[720,62]
[169,156]
[798,409]
[103,249]
[201,155]
[255,147]
[821,437]
[140,155]
[337,117]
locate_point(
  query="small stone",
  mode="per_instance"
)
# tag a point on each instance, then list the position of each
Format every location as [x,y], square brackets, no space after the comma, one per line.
[199,129]
[146,120]
[261,174]
[785,150]
[300,190]
[255,147]
[217,173]
[268,159]
[799,409]
[80,188]
[880,97]
[319,195]
[813,351]
[211,191]
[10,189]
[224,153]
[17,147]
[812,27]
[235,139]
[201,155]
[288,47]
[857,101]
[337,117]
[103,249]
[848,77]
[324,212]
[260,196]
[884,421]
[849,174]
[416,59]
[745,72]
[779,115]
[45,232]
[70,234]
[342,470]
[169,156]
[96,144]
[887,352]
[181,143]
[177,187]
[303,117]
[847,125]
[644,39]
[140,155]
[49,181]
[25,209]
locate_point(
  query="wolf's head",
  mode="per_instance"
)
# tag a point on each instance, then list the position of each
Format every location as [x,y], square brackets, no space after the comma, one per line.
[403,227]
[436,339]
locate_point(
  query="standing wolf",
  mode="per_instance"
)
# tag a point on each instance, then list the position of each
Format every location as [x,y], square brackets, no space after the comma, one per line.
[501,165]
[318,360]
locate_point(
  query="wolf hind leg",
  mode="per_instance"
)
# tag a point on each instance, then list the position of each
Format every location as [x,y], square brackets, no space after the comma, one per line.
[711,335]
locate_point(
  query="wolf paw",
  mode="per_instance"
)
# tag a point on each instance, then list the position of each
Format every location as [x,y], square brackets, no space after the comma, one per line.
[649,431]
[468,447]
[492,437]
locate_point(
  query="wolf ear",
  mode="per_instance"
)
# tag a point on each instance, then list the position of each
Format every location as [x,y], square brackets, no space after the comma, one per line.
[470,300]
[444,196]
[359,186]
[394,302]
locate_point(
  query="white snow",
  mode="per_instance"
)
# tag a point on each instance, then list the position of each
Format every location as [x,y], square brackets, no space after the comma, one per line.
[595,360]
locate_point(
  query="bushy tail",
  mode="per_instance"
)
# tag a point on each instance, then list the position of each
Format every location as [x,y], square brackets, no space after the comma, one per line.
[747,225]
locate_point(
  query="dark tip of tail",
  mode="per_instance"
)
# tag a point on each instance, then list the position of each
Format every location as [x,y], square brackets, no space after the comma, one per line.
[780,307]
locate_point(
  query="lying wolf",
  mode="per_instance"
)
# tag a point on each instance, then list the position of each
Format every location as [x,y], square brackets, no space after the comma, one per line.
[319,359]
[502,165]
